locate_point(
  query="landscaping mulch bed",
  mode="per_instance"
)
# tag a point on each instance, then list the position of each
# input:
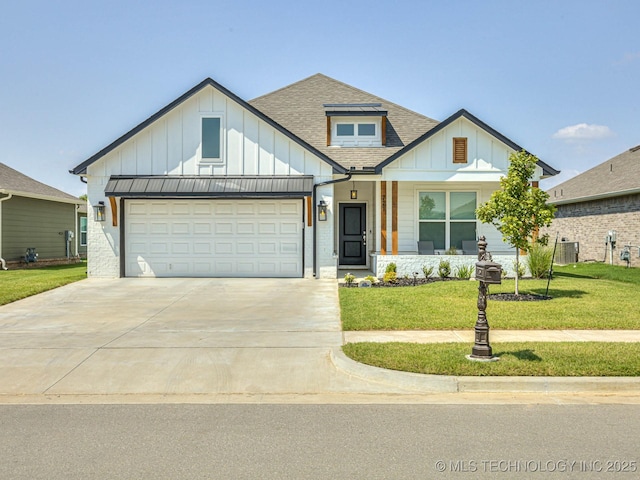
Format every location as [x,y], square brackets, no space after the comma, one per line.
[412,282]
[406,282]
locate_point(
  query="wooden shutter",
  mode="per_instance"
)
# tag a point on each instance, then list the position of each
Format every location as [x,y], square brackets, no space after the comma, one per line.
[460,150]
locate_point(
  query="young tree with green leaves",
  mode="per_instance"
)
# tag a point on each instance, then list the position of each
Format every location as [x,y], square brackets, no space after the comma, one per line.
[518,209]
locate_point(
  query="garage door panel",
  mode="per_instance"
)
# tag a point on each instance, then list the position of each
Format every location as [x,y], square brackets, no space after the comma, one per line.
[288,209]
[180,208]
[246,247]
[223,248]
[289,228]
[268,208]
[202,228]
[267,228]
[213,238]
[223,208]
[223,228]
[267,248]
[203,209]
[158,208]
[155,248]
[246,208]
[246,228]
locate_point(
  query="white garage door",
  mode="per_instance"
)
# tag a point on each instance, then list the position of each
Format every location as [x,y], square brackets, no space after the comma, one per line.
[213,238]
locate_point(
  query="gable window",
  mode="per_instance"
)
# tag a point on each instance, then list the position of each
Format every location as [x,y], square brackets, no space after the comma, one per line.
[212,139]
[460,150]
[447,218]
[83,231]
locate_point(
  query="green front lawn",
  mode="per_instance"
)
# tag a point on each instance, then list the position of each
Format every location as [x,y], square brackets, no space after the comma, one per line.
[585,296]
[518,359]
[17,284]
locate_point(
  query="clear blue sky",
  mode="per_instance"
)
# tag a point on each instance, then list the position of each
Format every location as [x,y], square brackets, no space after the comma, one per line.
[560,78]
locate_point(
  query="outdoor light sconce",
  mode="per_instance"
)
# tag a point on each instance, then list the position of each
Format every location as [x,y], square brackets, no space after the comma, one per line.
[354,192]
[100,212]
[322,211]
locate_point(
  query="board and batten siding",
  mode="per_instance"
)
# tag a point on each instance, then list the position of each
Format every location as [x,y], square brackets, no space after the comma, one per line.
[172,145]
[29,222]
[432,160]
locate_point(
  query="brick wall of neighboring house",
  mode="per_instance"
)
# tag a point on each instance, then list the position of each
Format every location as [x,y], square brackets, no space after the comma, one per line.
[589,222]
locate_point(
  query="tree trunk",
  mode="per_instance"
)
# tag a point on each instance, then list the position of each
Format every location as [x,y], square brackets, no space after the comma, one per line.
[517,269]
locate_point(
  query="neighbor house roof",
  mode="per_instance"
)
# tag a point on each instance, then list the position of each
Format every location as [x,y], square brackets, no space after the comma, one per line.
[613,178]
[300,108]
[16,183]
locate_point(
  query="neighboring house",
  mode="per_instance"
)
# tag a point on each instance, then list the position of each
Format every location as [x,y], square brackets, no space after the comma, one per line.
[296,183]
[605,198]
[35,215]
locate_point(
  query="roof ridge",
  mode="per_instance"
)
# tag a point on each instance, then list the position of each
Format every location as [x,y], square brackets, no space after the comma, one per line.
[287,86]
[383,99]
[356,89]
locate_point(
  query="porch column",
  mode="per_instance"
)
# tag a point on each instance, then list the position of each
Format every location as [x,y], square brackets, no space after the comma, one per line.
[394,218]
[383,218]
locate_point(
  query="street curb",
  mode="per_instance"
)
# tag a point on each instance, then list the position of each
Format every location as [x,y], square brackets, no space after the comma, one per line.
[421,383]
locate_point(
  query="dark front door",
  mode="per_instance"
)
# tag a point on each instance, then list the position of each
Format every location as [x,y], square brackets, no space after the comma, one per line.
[353,234]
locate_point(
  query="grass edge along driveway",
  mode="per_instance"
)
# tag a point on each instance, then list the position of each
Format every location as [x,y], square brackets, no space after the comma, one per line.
[21,283]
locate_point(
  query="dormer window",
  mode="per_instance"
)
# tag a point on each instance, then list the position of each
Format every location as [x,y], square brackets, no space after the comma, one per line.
[356,134]
[356,125]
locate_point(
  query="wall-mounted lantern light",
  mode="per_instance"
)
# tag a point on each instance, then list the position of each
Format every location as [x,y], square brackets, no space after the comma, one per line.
[100,212]
[322,211]
[354,192]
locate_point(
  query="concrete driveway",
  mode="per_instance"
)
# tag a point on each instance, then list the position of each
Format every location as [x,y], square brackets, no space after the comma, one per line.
[175,336]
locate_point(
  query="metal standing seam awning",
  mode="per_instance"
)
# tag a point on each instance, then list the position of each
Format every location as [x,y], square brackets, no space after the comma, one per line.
[250,187]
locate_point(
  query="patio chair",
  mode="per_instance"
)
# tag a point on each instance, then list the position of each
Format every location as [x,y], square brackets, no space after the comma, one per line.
[426,248]
[469,247]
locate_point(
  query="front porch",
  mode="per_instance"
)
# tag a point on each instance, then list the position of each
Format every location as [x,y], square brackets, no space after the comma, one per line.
[377,223]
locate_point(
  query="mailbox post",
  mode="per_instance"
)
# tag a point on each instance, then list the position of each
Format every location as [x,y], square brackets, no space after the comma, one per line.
[487,272]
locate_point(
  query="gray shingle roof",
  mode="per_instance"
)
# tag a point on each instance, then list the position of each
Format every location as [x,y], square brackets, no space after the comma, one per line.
[617,176]
[12,181]
[299,108]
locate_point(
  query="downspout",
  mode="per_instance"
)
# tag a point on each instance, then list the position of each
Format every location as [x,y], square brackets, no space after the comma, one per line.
[315,221]
[4,264]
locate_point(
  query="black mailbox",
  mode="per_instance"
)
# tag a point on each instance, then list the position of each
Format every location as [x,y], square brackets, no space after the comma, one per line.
[489,272]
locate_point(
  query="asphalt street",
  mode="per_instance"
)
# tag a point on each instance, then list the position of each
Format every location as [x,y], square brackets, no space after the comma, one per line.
[282,442]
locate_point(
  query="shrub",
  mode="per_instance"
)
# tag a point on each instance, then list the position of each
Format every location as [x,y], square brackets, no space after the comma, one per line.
[391,268]
[451,251]
[444,269]
[539,261]
[465,271]
[349,279]
[390,277]
[371,278]
[428,271]
[519,269]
